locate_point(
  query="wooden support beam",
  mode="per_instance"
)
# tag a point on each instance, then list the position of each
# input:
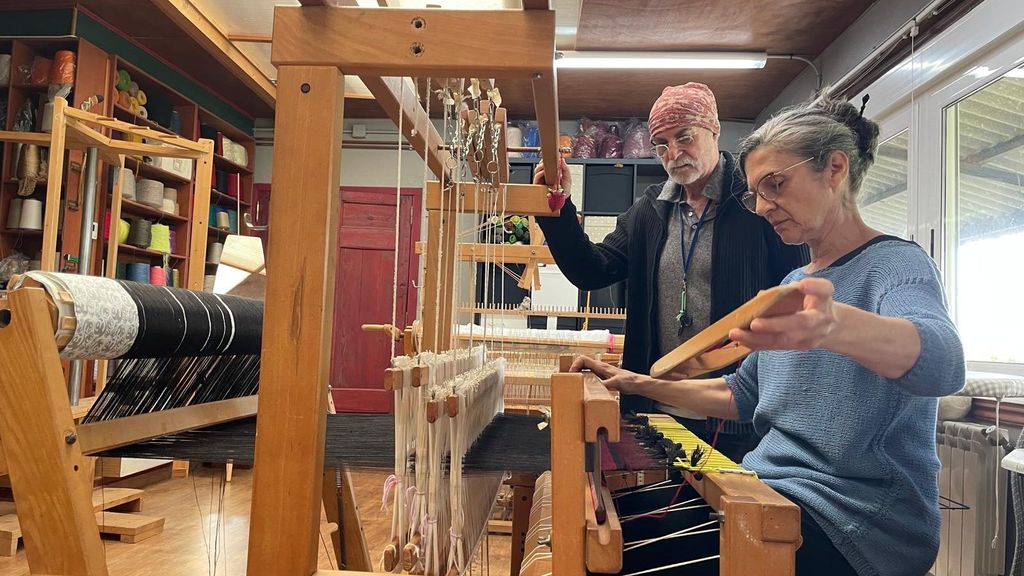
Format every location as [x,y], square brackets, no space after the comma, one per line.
[200,218]
[438,281]
[50,478]
[604,539]
[568,481]
[54,182]
[600,410]
[97,437]
[397,96]
[191,19]
[289,458]
[545,101]
[438,43]
[521,199]
[510,254]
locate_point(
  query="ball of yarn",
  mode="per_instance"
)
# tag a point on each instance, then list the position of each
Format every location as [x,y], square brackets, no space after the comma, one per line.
[150,192]
[138,272]
[123,229]
[158,276]
[127,182]
[123,80]
[213,252]
[141,233]
[160,238]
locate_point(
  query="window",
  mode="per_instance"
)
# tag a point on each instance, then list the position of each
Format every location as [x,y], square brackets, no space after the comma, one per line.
[984,175]
[883,196]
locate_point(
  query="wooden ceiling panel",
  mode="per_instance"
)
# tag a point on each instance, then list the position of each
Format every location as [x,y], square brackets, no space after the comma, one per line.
[802,27]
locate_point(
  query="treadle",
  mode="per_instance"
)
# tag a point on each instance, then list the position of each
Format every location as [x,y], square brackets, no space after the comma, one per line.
[119,499]
[131,528]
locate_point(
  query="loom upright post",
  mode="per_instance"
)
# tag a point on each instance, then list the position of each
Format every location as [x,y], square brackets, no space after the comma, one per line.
[50,478]
[297,324]
[568,485]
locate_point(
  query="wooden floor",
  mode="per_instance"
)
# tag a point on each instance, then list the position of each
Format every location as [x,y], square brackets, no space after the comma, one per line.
[196,537]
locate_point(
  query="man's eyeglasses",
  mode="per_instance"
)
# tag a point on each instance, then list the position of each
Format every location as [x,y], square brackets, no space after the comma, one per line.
[768,187]
[660,150]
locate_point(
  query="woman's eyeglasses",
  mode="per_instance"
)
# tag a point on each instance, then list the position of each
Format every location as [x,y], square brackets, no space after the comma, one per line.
[768,187]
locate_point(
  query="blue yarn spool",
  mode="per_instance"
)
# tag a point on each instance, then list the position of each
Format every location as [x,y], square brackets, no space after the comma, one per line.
[233,221]
[122,272]
[138,272]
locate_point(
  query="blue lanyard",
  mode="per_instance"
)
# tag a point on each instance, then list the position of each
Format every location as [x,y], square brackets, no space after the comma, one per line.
[688,255]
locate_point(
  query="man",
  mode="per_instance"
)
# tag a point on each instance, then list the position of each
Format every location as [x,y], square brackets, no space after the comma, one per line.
[688,250]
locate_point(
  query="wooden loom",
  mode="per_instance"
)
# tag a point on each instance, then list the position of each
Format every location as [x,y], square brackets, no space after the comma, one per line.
[760,529]
[44,451]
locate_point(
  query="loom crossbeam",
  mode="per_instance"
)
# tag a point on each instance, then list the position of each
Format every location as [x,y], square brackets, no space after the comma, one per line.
[521,199]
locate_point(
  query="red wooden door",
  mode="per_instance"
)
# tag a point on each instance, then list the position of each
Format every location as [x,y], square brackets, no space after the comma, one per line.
[364,292]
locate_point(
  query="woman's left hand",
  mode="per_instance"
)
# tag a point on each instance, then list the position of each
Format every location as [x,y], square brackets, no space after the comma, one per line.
[807,329]
[613,377]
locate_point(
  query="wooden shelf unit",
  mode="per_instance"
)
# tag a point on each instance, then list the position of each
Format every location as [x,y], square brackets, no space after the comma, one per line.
[90,79]
[228,174]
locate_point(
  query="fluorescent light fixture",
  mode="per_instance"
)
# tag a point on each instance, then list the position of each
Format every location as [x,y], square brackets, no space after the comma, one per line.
[659,60]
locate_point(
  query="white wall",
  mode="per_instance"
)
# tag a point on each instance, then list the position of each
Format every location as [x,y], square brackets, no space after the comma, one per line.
[853,45]
[361,167]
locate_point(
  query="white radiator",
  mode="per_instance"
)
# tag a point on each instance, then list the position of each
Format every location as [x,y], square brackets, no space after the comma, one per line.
[970,455]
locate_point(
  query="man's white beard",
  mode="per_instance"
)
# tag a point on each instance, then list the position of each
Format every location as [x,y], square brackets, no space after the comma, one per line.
[690,176]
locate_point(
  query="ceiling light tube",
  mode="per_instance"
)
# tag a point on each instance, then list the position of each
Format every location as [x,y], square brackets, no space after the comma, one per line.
[593,59]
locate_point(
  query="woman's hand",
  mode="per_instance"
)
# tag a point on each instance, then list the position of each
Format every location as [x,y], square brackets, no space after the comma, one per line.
[612,377]
[564,178]
[807,329]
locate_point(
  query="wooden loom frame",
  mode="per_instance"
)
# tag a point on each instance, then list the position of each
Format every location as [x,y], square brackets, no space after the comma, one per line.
[44,451]
[382,47]
[760,529]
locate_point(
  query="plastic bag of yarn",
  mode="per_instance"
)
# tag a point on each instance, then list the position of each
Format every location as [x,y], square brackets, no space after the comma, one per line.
[5,71]
[25,119]
[531,138]
[62,71]
[16,263]
[586,139]
[636,140]
[611,144]
[39,72]
[565,145]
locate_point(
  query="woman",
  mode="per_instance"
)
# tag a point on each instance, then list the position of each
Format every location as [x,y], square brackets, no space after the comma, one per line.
[844,392]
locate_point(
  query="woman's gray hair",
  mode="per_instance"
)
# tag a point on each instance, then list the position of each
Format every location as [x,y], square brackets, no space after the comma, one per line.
[816,128]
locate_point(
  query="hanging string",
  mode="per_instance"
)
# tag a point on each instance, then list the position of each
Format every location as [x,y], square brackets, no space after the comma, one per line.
[398,211]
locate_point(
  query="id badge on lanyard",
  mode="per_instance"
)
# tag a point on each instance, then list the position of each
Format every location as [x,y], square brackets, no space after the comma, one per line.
[684,318]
